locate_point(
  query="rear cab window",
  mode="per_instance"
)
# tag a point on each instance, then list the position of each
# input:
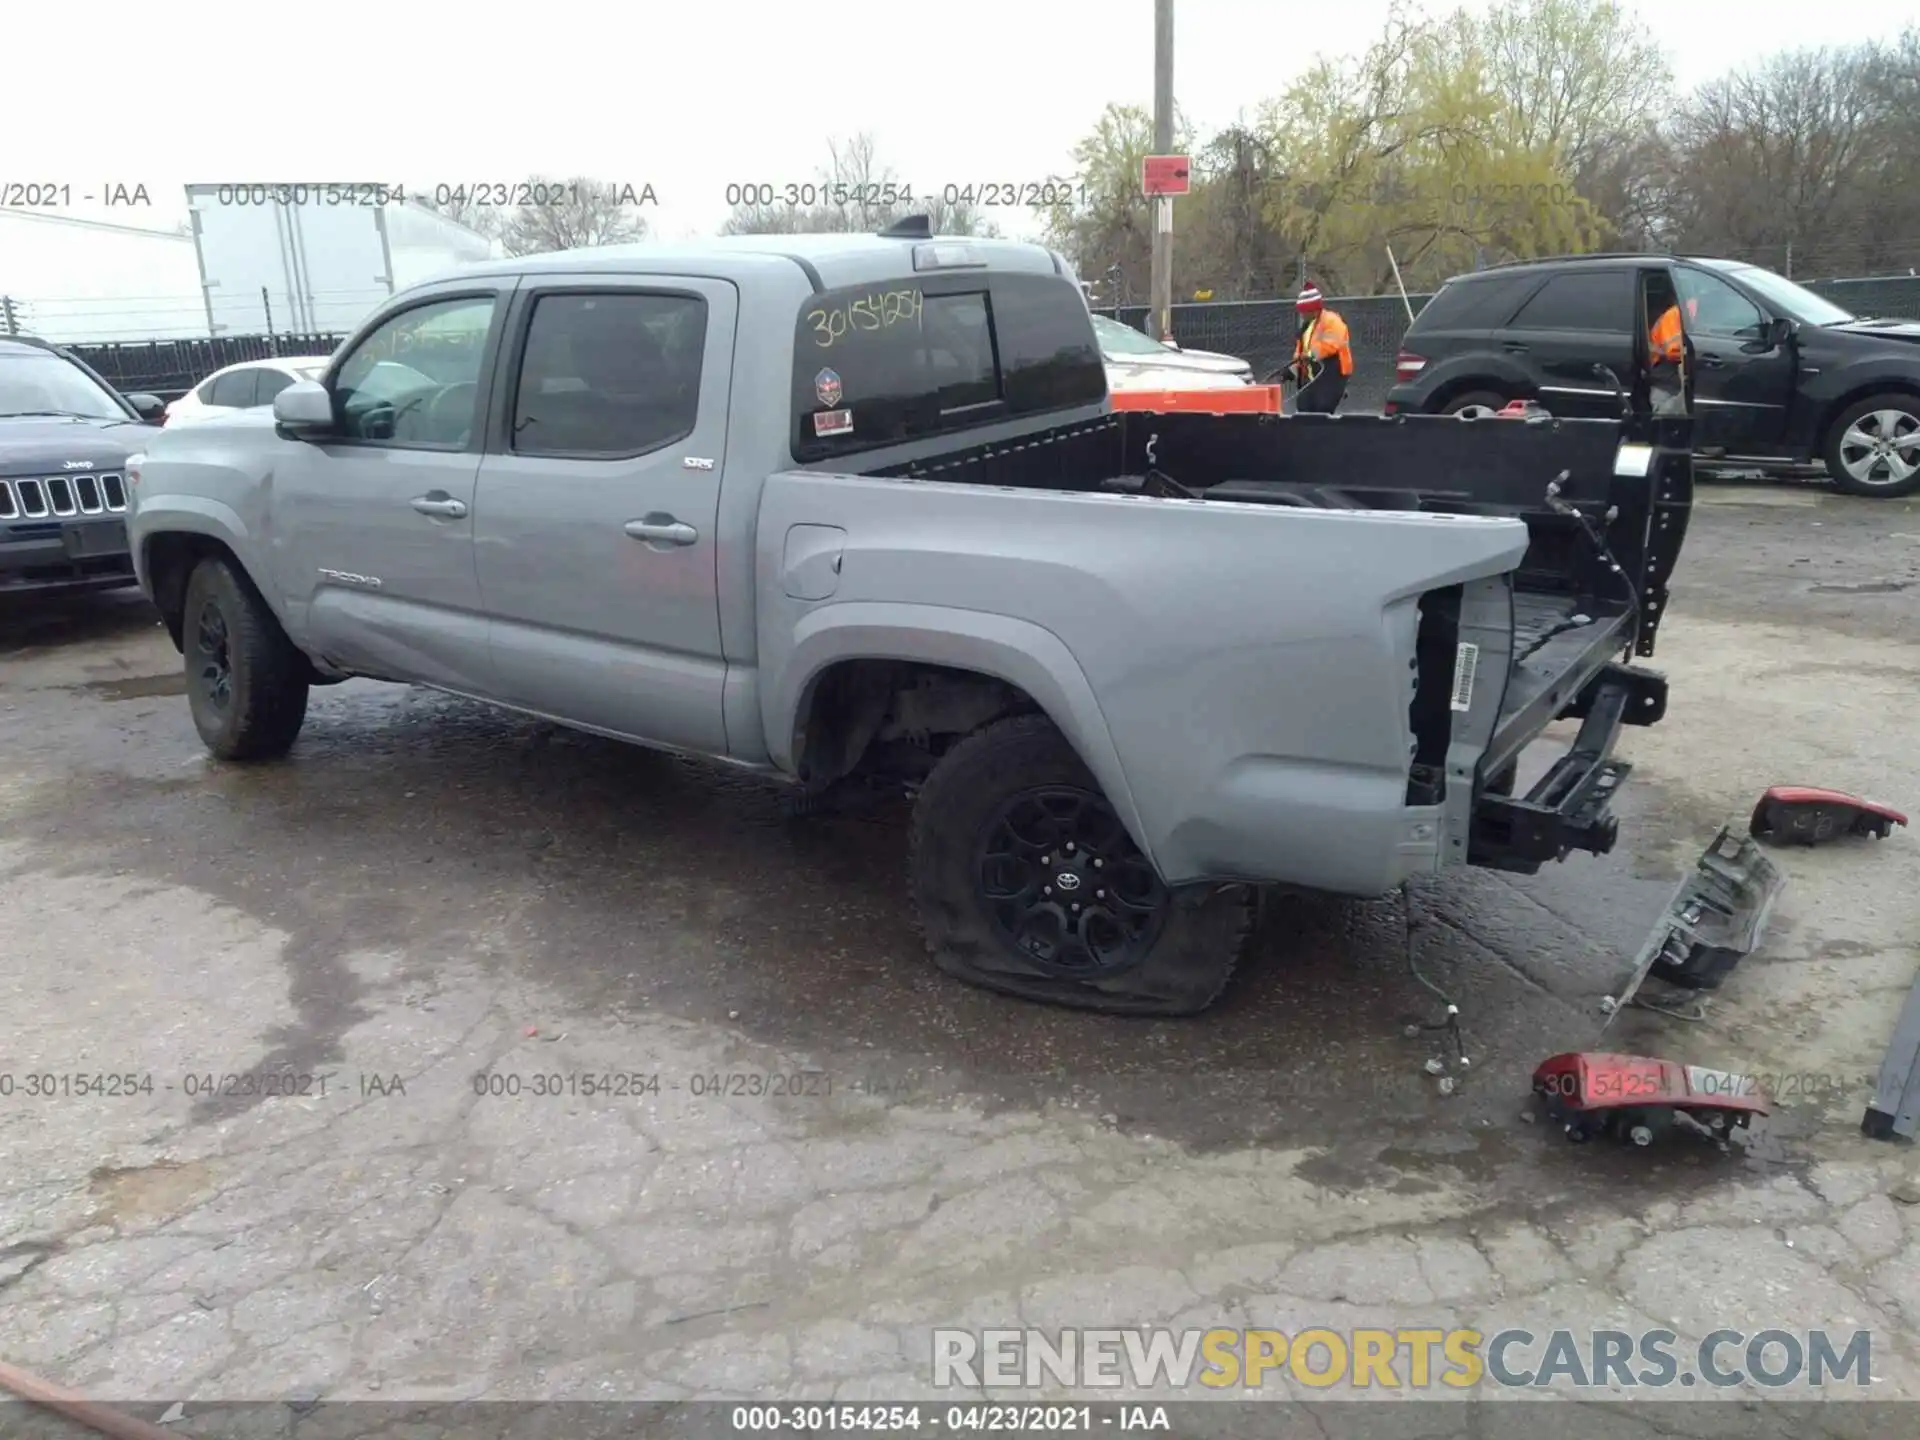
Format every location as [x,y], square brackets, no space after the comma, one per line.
[922,356]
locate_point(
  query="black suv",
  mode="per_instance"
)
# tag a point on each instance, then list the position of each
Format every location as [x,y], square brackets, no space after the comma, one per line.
[65,436]
[1779,375]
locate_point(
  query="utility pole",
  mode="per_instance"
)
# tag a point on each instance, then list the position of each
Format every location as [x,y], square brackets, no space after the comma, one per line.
[1162,300]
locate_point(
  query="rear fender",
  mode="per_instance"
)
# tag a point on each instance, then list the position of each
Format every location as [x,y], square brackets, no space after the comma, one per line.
[1017,652]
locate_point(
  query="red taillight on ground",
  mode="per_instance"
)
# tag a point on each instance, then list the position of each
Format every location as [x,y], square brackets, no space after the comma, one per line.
[1406,365]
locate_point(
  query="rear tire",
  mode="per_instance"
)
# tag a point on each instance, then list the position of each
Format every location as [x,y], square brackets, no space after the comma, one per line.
[1489,400]
[1856,462]
[246,684]
[1000,918]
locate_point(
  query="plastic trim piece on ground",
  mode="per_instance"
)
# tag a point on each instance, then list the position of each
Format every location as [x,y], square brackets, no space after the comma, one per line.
[1714,921]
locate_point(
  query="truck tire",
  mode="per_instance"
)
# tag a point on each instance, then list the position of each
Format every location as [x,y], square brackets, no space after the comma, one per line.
[1488,400]
[246,684]
[1860,454]
[1007,826]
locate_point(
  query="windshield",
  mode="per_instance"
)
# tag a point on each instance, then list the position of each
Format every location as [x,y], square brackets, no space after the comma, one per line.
[1795,302]
[38,382]
[1118,339]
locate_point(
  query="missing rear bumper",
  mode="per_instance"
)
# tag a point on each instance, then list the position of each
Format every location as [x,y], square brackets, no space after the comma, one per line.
[1571,807]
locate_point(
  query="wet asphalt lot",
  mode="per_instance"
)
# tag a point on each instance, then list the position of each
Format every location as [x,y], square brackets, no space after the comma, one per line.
[831,1146]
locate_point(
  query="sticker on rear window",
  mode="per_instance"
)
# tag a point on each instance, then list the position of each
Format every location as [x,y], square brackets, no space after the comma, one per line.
[1466,661]
[833,422]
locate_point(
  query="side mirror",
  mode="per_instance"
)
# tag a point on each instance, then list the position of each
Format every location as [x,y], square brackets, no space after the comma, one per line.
[304,405]
[150,408]
[1780,330]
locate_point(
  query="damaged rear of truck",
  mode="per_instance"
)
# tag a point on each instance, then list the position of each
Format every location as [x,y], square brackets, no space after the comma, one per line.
[1230,651]
[864,512]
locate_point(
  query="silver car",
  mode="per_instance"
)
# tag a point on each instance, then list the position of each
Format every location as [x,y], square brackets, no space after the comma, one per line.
[1139,362]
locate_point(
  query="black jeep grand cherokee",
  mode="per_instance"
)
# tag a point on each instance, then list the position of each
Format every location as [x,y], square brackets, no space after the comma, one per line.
[1779,374]
[65,436]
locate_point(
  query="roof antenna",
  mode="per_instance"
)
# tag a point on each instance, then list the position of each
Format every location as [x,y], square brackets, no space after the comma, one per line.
[910,227]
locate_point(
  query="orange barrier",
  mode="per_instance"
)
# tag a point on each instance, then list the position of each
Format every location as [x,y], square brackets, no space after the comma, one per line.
[1240,400]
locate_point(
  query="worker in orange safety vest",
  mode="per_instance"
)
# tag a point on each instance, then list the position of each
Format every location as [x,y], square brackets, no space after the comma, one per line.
[1322,356]
[1668,337]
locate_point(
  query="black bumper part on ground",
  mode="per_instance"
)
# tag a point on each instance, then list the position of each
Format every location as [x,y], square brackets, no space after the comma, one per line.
[64,555]
[1714,920]
[1570,807]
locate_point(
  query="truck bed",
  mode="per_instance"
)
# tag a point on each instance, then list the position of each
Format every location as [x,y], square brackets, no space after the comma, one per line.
[1590,590]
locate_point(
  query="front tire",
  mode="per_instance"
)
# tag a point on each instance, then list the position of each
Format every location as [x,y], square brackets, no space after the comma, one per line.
[1008,828]
[1873,448]
[246,684]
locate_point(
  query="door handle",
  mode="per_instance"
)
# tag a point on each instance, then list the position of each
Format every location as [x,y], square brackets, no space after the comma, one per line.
[1513,347]
[444,506]
[1711,362]
[662,529]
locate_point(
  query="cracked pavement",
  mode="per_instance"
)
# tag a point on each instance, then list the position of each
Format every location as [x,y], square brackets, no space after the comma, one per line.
[805,1149]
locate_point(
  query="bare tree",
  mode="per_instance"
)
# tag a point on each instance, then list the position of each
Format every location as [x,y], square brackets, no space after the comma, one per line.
[1787,155]
[855,193]
[574,214]
[461,205]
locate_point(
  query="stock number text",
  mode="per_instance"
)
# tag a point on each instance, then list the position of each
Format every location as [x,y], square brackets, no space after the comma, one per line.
[881,310]
[810,193]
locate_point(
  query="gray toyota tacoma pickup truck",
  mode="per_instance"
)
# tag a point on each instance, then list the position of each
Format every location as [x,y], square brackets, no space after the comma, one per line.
[849,509]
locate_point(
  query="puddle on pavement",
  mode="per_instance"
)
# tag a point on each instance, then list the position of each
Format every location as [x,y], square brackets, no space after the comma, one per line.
[137,687]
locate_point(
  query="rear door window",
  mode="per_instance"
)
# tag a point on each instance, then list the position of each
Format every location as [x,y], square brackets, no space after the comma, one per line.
[1592,300]
[908,359]
[234,389]
[609,375]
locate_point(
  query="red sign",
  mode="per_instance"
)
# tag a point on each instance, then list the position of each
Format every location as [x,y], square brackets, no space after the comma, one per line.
[1166,175]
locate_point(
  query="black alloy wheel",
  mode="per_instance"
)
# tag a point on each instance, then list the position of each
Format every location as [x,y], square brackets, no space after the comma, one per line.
[1066,885]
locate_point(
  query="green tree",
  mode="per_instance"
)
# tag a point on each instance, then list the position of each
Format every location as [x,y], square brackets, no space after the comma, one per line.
[1412,147]
[1102,221]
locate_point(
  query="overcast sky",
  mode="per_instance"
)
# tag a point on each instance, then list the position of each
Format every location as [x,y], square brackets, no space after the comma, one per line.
[685,97]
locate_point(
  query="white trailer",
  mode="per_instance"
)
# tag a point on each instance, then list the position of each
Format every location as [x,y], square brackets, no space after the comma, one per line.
[73,280]
[314,258]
